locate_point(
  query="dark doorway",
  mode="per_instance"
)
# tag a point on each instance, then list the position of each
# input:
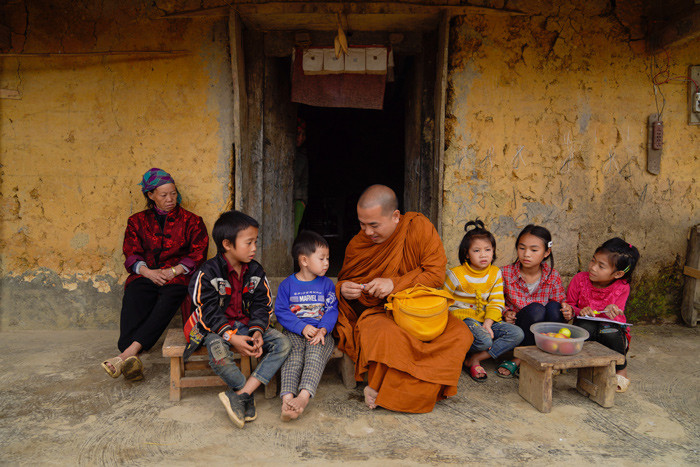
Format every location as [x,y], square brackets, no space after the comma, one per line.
[345,151]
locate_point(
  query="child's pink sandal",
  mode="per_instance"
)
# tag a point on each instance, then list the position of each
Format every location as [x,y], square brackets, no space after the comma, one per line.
[475,371]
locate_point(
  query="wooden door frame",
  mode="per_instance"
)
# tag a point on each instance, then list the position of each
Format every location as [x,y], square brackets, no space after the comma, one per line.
[249,149]
[440,108]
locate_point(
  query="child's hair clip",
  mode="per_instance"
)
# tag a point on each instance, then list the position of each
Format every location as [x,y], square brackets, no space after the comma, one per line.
[626,269]
[549,244]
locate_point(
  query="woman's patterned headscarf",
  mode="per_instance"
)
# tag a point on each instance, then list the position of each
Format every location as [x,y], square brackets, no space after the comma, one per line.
[155,177]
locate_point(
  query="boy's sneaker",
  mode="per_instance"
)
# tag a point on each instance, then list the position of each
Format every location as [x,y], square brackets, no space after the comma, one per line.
[249,404]
[234,406]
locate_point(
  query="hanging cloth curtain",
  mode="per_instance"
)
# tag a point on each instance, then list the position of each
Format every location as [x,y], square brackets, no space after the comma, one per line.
[332,85]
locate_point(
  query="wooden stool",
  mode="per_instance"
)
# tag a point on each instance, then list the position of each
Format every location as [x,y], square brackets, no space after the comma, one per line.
[596,373]
[174,347]
[271,387]
[691,290]
[346,367]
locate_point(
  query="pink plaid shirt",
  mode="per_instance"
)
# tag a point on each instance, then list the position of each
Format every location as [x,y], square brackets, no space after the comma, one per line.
[517,294]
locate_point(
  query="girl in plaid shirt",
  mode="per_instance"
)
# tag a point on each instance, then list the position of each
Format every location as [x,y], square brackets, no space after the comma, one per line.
[533,289]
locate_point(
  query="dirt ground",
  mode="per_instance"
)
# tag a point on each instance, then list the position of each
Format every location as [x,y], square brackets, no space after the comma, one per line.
[59,407]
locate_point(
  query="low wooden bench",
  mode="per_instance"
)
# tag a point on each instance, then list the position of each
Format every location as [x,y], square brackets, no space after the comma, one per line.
[346,368]
[596,373]
[174,348]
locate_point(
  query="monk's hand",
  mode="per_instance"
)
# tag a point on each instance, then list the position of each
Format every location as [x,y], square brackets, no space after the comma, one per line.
[319,338]
[309,332]
[379,287]
[351,290]
[567,311]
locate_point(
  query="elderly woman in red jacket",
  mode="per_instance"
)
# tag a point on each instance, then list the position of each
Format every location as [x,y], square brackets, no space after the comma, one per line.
[163,246]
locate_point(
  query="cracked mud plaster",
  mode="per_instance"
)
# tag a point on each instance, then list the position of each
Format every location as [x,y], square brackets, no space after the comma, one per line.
[568,85]
[85,129]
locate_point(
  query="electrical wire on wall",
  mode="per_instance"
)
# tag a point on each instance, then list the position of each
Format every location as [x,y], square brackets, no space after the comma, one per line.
[663,76]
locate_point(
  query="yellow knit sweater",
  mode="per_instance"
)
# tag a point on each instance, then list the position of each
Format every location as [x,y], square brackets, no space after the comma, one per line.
[478,294]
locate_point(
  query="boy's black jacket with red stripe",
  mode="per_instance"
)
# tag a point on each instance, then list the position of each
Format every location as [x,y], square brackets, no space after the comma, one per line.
[211,293]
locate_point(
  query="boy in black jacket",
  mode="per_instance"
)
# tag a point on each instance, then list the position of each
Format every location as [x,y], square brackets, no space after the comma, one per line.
[232,307]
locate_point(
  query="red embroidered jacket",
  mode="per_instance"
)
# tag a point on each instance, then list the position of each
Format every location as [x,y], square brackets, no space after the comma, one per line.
[184,240]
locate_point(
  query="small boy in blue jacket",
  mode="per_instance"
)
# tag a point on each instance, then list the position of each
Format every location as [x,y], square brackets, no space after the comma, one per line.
[307,308]
[232,308]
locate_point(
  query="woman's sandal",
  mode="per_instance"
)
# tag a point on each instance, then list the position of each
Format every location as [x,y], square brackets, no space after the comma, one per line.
[622,383]
[474,373]
[133,369]
[510,366]
[116,369]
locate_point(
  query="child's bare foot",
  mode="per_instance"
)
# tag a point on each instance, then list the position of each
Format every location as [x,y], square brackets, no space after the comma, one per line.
[506,370]
[300,402]
[288,412]
[371,397]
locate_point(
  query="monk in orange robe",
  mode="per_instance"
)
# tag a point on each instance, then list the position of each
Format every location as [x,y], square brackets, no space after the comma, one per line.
[393,252]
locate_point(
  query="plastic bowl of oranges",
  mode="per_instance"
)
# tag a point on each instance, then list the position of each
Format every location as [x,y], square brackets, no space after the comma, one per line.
[559,338]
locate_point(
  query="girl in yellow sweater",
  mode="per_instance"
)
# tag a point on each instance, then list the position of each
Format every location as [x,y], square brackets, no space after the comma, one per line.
[477,287]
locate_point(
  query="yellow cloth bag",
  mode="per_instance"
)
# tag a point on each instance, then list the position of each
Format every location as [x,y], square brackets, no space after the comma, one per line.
[421,311]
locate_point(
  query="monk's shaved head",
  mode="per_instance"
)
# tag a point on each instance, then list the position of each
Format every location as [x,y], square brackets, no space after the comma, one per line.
[378,212]
[379,195]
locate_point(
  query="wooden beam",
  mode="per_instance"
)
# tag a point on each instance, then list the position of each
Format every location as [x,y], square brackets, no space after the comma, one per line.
[426,169]
[412,136]
[691,272]
[219,11]
[683,29]
[240,102]
[332,8]
[252,162]
[279,136]
[366,8]
[96,53]
[328,22]
[440,104]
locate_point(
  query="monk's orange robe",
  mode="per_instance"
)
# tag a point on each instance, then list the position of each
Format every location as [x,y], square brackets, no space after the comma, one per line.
[410,375]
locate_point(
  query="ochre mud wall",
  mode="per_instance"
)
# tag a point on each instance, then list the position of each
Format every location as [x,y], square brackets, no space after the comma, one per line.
[74,146]
[547,124]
